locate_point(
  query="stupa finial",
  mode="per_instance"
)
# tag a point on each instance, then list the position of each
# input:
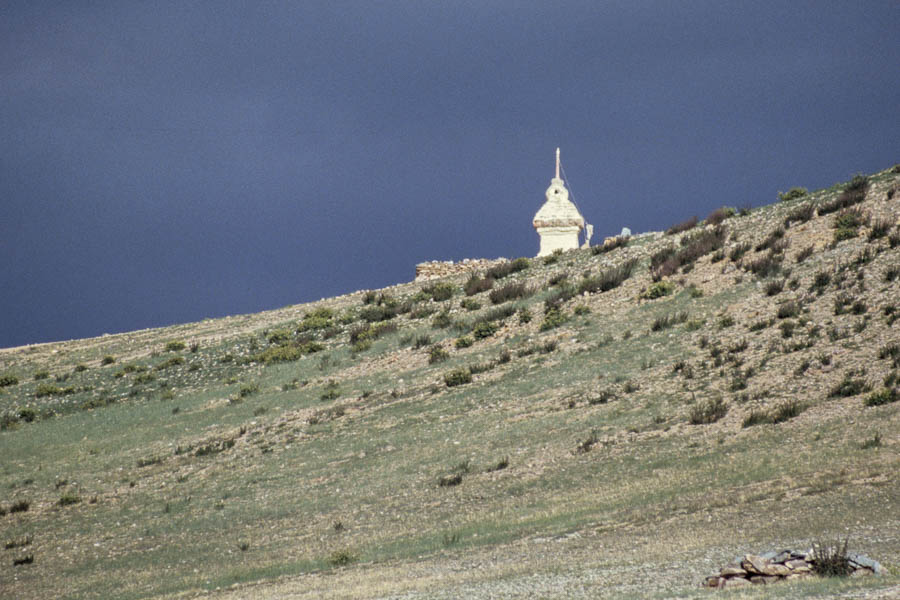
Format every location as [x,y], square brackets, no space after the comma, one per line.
[557,163]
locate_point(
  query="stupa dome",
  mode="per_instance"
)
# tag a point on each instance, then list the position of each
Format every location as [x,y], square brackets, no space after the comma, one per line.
[558,221]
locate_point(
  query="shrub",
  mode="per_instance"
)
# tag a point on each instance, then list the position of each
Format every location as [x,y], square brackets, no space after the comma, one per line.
[170,362]
[553,258]
[611,244]
[341,558]
[831,560]
[505,269]
[484,329]
[880,228]
[470,304]
[377,313]
[787,411]
[708,412]
[8,379]
[524,315]
[658,290]
[609,279]
[437,354]
[774,287]
[668,320]
[771,239]
[581,310]
[450,480]
[174,346]
[738,251]
[792,194]
[463,342]
[719,215]
[69,498]
[788,310]
[849,386]
[440,291]
[457,377]
[320,318]
[756,417]
[683,226]
[882,396]
[804,254]
[476,284]
[512,291]
[554,317]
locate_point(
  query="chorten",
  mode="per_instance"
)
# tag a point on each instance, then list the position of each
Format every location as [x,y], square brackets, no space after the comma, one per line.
[558,222]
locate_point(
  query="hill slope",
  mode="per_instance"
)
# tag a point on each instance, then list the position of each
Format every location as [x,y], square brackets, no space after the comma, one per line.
[616,421]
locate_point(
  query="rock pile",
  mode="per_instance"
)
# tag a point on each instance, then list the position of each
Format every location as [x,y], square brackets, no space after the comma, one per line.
[444,268]
[772,567]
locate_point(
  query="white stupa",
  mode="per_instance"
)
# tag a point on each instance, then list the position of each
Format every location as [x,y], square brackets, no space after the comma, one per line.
[558,222]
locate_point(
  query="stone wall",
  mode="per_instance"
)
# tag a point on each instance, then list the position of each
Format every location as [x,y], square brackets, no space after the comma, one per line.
[436,269]
[772,567]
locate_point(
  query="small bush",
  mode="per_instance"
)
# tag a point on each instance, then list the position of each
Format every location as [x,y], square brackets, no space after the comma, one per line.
[756,417]
[668,320]
[708,412]
[792,194]
[774,287]
[440,291]
[882,396]
[463,342]
[505,269]
[771,239]
[880,228]
[554,317]
[658,290]
[739,251]
[437,354]
[8,379]
[787,411]
[175,346]
[170,362]
[69,498]
[341,558]
[849,386]
[804,254]
[609,279]
[457,377]
[831,560]
[476,284]
[611,244]
[512,291]
[719,215]
[470,304]
[788,310]
[683,226]
[484,330]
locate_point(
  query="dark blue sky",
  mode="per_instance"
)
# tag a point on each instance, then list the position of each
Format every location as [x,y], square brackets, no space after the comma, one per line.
[165,162]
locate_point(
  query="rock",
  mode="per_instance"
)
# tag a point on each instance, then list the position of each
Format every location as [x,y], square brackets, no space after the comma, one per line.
[861,560]
[732,570]
[713,581]
[763,579]
[754,564]
[798,565]
[776,569]
[782,557]
[735,582]
[862,571]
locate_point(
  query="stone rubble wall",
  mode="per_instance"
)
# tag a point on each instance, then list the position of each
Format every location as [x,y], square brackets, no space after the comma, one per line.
[436,269]
[773,567]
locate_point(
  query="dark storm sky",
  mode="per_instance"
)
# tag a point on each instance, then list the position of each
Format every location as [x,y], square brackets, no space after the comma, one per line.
[163,162]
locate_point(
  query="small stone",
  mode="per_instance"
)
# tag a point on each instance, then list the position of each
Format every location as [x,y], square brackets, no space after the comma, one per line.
[713,581]
[862,571]
[735,582]
[732,570]
[776,569]
[782,557]
[763,579]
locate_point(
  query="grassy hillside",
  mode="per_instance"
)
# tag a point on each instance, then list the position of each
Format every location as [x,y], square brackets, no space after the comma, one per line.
[619,421]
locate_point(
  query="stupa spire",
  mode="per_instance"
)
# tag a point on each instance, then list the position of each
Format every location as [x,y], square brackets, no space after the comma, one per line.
[557,162]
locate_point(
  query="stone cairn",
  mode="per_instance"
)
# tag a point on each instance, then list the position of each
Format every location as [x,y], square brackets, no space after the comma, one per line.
[436,269]
[773,567]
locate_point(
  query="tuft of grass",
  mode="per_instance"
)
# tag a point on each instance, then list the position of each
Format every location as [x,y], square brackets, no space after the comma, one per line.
[658,290]
[685,225]
[341,558]
[511,291]
[708,411]
[787,411]
[668,320]
[175,346]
